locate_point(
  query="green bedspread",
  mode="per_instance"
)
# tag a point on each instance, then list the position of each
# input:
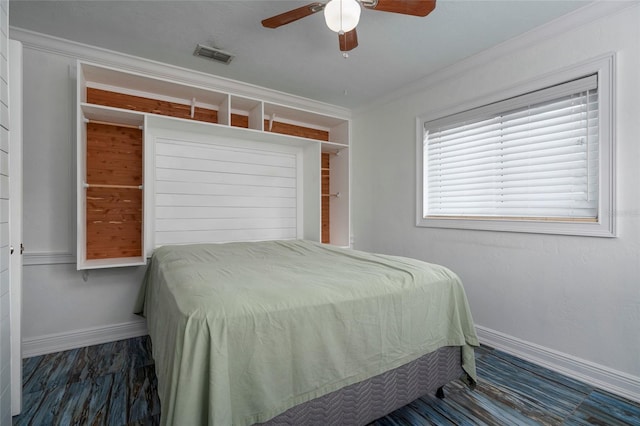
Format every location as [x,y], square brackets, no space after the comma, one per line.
[244,331]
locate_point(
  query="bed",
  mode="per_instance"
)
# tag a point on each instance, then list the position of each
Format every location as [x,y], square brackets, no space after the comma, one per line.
[297,332]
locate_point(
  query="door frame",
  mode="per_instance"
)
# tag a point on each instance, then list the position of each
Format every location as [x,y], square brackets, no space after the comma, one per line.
[15,220]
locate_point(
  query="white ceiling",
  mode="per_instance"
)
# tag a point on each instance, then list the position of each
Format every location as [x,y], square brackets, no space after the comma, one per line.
[301,58]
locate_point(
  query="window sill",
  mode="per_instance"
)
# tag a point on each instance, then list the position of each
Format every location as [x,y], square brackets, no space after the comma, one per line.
[604,227]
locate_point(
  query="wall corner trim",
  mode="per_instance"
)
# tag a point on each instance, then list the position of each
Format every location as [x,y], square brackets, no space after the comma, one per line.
[83,337]
[608,379]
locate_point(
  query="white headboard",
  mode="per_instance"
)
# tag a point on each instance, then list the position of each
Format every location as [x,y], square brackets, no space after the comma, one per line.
[209,188]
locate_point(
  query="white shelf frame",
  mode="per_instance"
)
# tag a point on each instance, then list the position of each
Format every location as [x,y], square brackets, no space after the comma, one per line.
[226,104]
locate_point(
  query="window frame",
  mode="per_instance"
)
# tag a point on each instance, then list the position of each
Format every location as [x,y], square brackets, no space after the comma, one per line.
[604,226]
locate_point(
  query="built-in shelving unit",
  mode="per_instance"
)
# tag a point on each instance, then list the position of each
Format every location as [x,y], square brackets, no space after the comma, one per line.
[119,113]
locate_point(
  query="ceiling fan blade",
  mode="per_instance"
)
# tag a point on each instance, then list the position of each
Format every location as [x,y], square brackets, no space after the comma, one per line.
[348,41]
[411,7]
[292,15]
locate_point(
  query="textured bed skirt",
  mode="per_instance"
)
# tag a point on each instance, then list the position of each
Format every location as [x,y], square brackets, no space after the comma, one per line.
[366,401]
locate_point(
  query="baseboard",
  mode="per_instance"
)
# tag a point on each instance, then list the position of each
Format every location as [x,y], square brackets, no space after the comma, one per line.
[79,338]
[605,378]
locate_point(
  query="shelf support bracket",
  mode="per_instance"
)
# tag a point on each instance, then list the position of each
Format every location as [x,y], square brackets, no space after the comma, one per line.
[273,117]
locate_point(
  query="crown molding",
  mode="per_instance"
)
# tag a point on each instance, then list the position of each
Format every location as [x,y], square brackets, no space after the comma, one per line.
[74,50]
[599,9]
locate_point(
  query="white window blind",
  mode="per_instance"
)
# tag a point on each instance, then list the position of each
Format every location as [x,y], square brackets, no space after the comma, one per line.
[533,156]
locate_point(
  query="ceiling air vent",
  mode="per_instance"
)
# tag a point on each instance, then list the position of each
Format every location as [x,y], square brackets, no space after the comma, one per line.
[213,54]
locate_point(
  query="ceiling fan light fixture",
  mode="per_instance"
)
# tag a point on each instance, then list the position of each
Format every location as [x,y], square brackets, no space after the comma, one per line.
[342,16]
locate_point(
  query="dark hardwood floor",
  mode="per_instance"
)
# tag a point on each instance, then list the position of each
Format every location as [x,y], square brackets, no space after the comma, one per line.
[115,384]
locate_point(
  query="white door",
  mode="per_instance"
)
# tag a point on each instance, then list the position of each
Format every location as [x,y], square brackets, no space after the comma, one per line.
[15,220]
[5,293]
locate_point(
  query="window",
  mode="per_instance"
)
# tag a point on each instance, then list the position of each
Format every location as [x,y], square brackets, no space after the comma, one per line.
[539,161]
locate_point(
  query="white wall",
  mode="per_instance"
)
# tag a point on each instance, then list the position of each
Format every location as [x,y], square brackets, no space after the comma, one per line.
[64,308]
[569,301]
[561,299]
[56,299]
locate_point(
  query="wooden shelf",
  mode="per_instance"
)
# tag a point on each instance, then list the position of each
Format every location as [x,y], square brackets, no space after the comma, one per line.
[325,182]
[112,189]
[106,114]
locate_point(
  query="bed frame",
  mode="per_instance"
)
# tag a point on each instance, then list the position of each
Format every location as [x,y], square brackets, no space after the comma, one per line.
[358,404]
[366,401]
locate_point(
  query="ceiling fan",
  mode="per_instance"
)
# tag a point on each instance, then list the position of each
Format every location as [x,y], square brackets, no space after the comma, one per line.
[342,16]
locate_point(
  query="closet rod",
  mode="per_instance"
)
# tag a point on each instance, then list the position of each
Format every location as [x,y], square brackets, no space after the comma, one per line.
[93,185]
[130,126]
